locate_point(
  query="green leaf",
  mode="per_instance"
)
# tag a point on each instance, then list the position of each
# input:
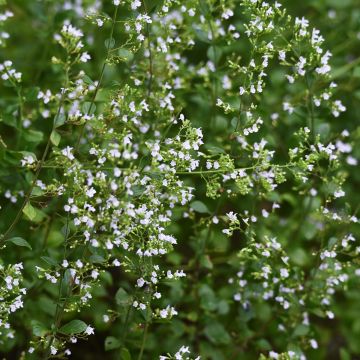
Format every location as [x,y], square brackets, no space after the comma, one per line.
[111,343]
[356,72]
[96,259]
[202,35]
[214,149]
[49,260]
[214,54]
[344,354]
[59,120]
[125,54]
[88,108]
[338,4]
[19,242]
[208,299]
[263,345]
[125,354]
[301,330]
[152,4]
[87,80]
[199,207]
[29,211]
[33,214]
[205,262]
[122,298]
[217,334]
[33,136]
[73,327]
[55,137]
[36,191]
[38,328]
[109,43]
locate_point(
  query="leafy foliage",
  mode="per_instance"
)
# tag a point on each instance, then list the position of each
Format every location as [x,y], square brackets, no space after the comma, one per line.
[179,179]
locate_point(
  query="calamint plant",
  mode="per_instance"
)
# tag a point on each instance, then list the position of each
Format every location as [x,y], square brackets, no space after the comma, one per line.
[177,181]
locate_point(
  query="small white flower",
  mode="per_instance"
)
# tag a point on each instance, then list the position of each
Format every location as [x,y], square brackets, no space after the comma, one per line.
[85,57]
[314,344]
[89,330]
[68,152]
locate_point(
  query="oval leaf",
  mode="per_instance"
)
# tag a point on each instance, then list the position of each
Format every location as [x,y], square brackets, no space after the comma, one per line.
[19,242]
[55,137]
[122,297]
[111,343]
[29,211]
[199,207]
[73,327]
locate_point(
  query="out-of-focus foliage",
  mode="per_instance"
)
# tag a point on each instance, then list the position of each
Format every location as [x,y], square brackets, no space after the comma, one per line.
[104,165]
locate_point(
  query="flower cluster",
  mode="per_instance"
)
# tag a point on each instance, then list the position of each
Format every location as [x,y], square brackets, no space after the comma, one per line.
[204,149]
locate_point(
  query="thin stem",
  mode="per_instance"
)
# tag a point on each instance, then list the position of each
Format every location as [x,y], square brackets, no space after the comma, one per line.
[199,172]
[20,116]
[126,327]
[59,308]
[143,340]
[38,169]
[100,79]
[310,106]
[150,54]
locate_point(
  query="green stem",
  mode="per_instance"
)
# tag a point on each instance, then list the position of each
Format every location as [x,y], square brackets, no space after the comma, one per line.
[59,311]
[143,340]
[40,165]
[100,79]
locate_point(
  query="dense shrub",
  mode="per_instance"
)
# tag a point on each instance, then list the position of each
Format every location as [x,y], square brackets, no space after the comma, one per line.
[179,179]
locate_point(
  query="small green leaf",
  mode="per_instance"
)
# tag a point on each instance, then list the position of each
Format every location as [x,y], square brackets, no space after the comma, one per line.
[59,120]
[29,211]
[122,297]
[55,137]
[38,328]
[125,54]
[301,330]
[96,259]
[125,354]
[217,333]
[344,354]
[205,262]
[214,149]
[109,43]
[111,343]
[214,54]
[33,136]
[88,108]
[87,80]
[73,327]
[19,242]
[199,207]
[49,260]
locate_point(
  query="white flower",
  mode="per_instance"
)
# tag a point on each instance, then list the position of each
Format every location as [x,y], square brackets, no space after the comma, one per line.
[284,273]
[85,57]
[90,192]
[27,160]
[89,330]
[140,282]
[339,193]
[232,217]
[314,344]
[330,314]
[135,4]
[68,152]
